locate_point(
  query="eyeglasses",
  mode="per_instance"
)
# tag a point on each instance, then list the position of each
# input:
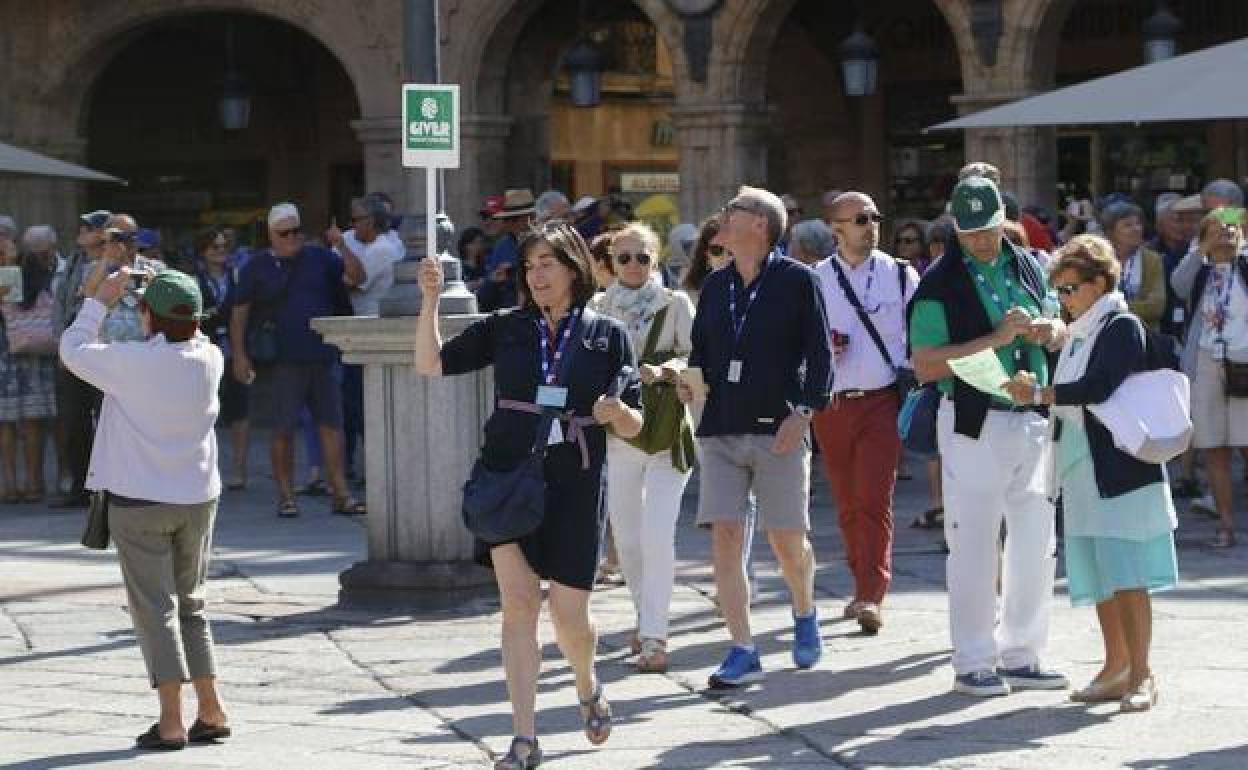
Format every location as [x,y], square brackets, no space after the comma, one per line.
[360,218]
[793,212]
[907,239]
[726,211]
[642,258]
[120,237]
[1067,289]
[715,250]
[288,233]
[862,219]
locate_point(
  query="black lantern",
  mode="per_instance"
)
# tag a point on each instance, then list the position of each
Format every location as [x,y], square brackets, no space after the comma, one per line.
[860,63]
[1160,30]
[584,63]
[235,96]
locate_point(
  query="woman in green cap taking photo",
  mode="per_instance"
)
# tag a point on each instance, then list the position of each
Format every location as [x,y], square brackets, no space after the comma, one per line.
[155,457]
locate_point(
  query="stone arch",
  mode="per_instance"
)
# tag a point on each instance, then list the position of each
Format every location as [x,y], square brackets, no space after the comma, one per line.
[1034,57]
[358,49]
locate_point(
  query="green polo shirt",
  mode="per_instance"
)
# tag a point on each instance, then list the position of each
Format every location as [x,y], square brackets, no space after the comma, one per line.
[929,326]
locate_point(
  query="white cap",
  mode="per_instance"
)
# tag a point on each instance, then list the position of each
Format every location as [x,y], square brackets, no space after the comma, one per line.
[1165,202]
[1190,203]
[284,211]
[584,202]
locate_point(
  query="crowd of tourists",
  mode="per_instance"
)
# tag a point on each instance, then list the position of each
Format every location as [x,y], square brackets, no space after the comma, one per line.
[743,346]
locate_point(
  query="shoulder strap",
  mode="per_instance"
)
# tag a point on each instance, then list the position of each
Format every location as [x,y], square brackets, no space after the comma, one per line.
[848,291]
[902,265]
[656,328]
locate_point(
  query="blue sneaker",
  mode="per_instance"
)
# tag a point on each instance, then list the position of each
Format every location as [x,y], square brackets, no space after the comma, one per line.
[741,667]
[807,644]
[981,684]
[1033,678]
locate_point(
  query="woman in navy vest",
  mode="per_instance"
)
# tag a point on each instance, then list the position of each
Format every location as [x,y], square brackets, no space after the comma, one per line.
[1119,517]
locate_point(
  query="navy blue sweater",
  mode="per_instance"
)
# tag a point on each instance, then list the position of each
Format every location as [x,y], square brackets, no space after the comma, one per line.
[1119,352]
[785,328]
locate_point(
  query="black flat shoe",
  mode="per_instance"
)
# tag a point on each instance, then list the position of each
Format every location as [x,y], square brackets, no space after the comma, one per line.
[151,741]
[201,732]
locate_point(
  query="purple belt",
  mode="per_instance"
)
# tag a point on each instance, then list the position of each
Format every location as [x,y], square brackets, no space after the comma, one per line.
[575,432]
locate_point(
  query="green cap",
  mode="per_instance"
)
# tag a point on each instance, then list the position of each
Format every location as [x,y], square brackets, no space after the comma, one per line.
[1229,215]
[976,205]
[174,295]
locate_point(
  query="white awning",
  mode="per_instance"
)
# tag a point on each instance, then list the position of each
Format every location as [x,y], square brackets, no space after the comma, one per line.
[1204,85]
[15,160]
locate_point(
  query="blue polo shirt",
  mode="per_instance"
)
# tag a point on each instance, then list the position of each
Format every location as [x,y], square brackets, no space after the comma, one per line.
[314,288]
[783,347]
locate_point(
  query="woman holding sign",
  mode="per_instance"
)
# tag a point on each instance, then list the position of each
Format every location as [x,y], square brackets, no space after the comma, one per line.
[1119,517]
[565,371]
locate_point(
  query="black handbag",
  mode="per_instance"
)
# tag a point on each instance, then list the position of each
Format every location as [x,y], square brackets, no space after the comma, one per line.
[505,505]
[96,533]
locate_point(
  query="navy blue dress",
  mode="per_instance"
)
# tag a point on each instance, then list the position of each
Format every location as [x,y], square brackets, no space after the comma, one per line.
[565,547]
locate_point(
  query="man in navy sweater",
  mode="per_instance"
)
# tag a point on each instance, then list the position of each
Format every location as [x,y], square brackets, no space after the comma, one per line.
[760,340]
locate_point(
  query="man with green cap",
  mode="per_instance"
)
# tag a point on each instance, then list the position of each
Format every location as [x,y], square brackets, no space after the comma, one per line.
[985,294]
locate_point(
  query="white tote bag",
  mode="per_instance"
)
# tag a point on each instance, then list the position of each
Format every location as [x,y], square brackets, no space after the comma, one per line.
[1150,415]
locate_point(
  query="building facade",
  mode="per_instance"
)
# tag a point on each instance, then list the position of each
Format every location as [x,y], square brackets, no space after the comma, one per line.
[698,97]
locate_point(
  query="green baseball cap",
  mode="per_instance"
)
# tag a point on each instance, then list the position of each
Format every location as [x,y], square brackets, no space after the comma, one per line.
[976,205]
[174,295]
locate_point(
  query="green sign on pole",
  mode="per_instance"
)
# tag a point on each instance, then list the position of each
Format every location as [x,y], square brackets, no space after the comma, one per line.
[431,125]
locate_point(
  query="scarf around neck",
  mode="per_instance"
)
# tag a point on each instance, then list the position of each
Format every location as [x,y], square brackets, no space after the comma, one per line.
[1081,338]
[635,307]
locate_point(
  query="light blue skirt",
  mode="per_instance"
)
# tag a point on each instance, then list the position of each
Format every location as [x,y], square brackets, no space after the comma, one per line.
[1097,567]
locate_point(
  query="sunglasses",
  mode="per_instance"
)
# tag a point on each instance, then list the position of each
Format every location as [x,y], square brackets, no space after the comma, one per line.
[862,219]
[642,258]
[793,212]
[907,239]
[1067,289]
[715,250]
[120,237]
[288,233]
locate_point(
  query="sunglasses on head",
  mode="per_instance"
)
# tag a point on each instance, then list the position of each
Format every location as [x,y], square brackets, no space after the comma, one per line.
[641,257]
[288,233]
[862,219]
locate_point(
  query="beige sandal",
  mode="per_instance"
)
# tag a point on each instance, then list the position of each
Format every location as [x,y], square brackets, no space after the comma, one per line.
[652,658]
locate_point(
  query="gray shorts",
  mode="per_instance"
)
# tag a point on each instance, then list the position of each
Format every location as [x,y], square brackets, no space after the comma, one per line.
[732,466]
[317,386]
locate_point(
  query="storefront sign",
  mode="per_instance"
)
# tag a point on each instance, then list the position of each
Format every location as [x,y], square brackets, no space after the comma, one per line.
[431,126]
[656,182]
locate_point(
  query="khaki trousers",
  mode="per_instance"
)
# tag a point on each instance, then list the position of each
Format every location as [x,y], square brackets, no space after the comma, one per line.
[164,551]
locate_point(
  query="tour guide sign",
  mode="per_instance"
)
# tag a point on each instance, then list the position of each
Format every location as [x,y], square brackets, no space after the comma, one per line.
[430,126]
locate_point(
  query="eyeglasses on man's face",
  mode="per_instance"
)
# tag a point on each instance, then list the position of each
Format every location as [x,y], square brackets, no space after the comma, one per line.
[907,239]
[288,233]
[863,219]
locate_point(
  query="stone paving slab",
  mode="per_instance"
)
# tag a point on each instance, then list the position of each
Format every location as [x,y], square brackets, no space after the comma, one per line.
[313,684]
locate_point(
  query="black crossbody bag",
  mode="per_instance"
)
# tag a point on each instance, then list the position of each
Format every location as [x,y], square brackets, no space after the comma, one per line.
[261,335]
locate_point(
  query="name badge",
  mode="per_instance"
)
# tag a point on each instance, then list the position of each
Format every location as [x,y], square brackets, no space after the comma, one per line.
[1178,314]
[552,397]
[556,434]
[734,371]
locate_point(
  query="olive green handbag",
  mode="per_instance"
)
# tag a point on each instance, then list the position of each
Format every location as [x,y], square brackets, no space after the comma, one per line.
[666,424]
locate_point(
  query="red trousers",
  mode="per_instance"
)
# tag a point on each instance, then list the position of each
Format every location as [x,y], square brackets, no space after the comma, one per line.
[861,449]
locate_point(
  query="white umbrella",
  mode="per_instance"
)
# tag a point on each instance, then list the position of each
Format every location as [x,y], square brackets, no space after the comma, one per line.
[1204,85]
[15,160]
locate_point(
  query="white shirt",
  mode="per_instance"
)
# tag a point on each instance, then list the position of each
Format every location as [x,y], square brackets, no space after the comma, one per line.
[877,286]
[155,439]
[378,259]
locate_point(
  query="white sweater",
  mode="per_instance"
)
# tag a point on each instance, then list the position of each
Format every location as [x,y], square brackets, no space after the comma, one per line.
[155,440]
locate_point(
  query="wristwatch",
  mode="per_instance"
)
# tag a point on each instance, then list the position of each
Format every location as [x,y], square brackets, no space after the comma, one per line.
[803,411]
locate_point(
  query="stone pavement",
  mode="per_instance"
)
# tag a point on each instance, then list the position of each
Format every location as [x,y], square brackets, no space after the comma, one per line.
[312,684]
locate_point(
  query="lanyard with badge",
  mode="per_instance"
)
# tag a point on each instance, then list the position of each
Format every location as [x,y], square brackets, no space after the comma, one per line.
[1224,284]
[735,365]
[1003,306]
[1131,278]
[550,394]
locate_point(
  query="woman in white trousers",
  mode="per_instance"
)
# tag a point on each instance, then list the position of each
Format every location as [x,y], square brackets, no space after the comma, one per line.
[646,476]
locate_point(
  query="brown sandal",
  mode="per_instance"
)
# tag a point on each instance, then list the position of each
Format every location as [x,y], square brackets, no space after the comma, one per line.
[652,657]
[597,714]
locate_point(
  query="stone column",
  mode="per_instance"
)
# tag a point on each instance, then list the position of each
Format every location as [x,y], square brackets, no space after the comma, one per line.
[421,437]
[481,165]
[722,146]
[1026,155]
[381,138]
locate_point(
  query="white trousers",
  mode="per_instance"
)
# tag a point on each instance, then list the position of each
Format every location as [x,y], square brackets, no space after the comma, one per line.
[999,477]
[643,498]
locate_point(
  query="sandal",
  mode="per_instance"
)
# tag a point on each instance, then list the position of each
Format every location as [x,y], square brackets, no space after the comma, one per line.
[202,732]
[315,488]
[151,741]
[653,657]
[513,761]
[288,509]
[932,518]
[597,714]
[1224,539]
[349,507]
